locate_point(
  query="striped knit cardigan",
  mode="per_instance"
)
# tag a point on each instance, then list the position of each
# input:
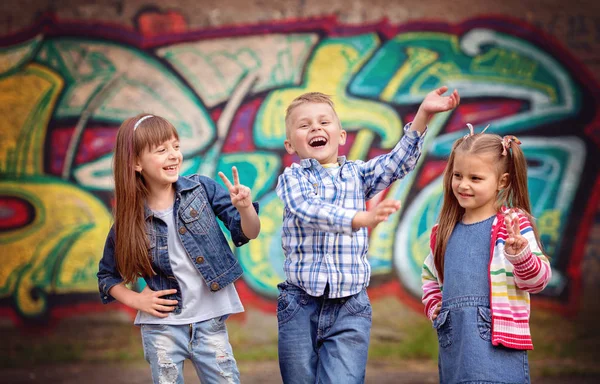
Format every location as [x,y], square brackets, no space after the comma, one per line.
[512,278]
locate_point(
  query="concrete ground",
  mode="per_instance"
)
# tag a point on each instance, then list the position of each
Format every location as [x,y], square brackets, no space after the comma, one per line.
[251,373]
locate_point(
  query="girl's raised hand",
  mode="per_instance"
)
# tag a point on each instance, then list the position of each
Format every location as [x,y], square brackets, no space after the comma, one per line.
[241,196]
[434,102]
[515,242]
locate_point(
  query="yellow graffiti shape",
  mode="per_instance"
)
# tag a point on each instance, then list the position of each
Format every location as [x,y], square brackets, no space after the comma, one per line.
[256,257]
[418,59]
[58,252]
[330,70]
[27,99]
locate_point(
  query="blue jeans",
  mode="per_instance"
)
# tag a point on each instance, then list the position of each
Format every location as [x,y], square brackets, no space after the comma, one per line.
[322,340]
[206,344]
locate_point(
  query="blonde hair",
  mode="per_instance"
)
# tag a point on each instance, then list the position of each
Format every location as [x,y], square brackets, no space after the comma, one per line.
[134,136]
[514,195]
[309,97]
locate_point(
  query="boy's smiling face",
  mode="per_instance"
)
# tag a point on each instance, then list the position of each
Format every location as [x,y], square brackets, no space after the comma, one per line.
[314,132]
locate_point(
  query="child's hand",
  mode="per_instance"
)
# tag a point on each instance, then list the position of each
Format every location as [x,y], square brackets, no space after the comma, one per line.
[241,196]
[434,102]
[376,215]
[515,242]
[436,311]
[150,301]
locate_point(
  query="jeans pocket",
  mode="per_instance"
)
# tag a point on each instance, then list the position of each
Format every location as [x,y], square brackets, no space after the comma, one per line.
[359,304]
[217,324]
[289,302]
[484,323]
[443,326]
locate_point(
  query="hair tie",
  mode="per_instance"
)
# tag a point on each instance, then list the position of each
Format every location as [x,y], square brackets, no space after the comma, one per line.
[140,120]
[472,132]
[506,143]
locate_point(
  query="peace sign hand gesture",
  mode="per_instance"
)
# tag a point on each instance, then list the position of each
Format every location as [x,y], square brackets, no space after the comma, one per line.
[241,196]
[515,242]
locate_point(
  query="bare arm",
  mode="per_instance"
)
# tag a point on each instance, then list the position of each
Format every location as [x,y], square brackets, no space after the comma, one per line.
[148,301]
[434,103]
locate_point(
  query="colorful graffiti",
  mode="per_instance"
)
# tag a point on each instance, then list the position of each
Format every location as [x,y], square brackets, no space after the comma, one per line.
[66,87]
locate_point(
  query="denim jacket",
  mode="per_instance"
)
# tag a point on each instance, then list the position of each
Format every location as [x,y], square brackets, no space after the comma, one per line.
[198,201]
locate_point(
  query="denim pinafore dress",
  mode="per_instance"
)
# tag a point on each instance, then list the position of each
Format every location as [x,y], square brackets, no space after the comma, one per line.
[466,353]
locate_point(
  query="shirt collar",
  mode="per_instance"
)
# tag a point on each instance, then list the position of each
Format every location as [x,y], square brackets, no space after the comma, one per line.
[307,163]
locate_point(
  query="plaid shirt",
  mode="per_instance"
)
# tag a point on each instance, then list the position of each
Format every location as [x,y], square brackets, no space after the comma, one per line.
[319,243]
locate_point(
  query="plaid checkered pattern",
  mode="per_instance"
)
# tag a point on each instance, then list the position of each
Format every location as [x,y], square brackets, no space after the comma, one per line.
[319,243]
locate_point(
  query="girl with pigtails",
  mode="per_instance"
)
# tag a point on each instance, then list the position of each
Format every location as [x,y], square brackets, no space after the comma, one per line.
[485,259]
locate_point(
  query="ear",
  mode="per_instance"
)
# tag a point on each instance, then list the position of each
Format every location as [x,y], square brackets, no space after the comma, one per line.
[138,166]
[503,182]
[288,147]
[342,137]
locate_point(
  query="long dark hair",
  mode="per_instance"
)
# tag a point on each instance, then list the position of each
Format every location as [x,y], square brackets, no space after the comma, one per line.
[131,250]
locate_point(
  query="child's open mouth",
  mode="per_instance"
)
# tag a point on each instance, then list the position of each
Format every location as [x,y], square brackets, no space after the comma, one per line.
[317,142]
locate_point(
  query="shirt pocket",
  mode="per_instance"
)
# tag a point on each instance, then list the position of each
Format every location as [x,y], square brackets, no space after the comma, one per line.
[443,326]
[195,217]
[484,323]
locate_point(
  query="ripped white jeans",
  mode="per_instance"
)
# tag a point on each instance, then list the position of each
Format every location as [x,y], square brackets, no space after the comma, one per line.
[206,344]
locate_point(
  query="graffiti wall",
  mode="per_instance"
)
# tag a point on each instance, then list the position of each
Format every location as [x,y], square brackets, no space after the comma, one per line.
[66,86]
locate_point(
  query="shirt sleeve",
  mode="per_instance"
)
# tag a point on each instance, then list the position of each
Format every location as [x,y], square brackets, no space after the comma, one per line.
[532,270]
[432,291]
[300,200]
[381,171]
[108,276]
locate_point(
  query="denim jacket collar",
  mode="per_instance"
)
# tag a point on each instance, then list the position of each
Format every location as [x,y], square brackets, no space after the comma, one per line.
[182,184]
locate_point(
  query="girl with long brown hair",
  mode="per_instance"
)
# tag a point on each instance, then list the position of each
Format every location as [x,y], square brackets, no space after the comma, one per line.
[485,260]
[166,232]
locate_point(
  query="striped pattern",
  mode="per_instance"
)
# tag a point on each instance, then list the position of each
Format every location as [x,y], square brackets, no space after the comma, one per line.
[318,241]
[512,279]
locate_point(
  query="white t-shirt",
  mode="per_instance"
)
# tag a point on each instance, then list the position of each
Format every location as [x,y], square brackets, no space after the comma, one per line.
[199,302]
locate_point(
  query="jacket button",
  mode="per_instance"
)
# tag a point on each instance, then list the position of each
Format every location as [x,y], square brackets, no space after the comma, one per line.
[182,230]
[214,286]
[199,259]
[194,213]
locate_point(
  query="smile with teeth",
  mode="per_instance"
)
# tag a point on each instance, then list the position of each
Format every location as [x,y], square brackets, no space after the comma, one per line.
[318,141]
[170,168]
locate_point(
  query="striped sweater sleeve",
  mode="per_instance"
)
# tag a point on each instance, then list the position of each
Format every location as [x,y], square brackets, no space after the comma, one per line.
[532,270]
[432,292]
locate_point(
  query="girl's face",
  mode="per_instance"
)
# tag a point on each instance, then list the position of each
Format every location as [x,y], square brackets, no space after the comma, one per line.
[160,165]
[475,184]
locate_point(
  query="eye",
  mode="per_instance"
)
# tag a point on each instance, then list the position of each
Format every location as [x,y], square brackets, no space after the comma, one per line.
[476,178]
[457,175]
[324,122]
[303,125]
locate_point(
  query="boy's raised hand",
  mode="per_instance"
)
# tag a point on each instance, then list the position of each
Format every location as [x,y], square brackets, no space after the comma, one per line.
[241,196]
[435,102]
[515,242]
[375,215]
